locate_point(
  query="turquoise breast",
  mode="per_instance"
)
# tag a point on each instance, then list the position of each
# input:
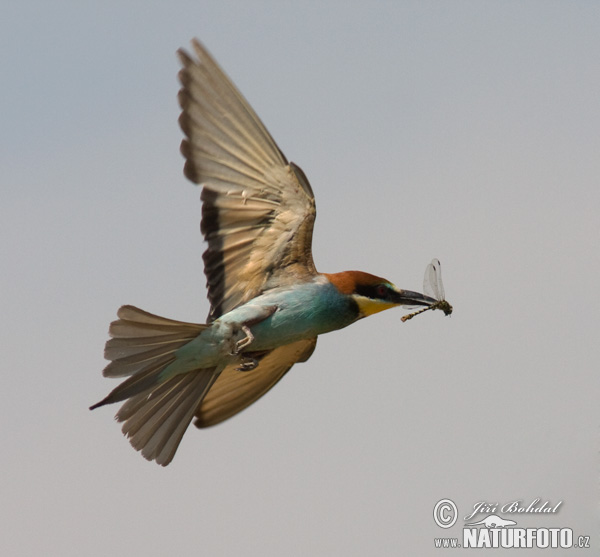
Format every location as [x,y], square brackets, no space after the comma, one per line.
[303,311]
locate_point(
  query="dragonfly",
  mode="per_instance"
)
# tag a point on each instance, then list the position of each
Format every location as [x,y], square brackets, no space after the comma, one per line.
[433,287]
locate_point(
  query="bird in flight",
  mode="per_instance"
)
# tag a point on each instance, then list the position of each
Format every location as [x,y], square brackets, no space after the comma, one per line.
[268,302]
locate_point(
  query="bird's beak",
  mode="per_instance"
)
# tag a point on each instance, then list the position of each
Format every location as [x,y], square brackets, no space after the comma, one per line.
[409,298]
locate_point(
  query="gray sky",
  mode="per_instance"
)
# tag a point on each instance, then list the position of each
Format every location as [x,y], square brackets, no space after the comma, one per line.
[467,131]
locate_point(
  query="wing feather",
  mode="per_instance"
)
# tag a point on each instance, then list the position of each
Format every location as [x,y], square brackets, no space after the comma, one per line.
[258,210]
[235,390]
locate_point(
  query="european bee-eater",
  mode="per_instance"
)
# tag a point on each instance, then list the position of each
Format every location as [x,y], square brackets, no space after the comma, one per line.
[268,302]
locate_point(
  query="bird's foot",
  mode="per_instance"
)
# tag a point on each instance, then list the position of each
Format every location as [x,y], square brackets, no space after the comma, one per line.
[241,344]
[247,364]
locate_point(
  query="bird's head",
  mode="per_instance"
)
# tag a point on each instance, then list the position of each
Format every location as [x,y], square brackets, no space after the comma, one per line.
[373,294]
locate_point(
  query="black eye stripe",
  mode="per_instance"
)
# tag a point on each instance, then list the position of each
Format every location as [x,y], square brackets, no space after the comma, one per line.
[373,291]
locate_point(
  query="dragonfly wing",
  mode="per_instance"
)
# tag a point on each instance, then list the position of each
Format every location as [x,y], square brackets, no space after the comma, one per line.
[432,281]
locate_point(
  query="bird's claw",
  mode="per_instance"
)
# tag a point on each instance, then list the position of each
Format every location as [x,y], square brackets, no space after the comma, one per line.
[247,364]
[242,343]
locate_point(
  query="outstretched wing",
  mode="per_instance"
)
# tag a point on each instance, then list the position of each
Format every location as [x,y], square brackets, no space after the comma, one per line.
[258,210]
[235,390]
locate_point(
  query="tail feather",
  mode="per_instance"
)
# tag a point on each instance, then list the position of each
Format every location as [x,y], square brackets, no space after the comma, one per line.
[155,421]
[122,348]
[123,367]
[157,411]
[131,317]
[144,379]
[140,340]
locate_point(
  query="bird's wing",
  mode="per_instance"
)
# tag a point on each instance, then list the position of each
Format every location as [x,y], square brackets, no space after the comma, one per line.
[258,209]
[235,390]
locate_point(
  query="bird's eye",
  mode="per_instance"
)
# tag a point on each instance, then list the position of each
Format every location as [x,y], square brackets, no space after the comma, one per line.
[382,291]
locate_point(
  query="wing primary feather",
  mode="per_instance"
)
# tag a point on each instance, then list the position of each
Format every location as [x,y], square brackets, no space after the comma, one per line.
[258,210]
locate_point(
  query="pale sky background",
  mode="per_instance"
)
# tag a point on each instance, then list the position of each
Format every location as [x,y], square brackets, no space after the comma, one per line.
[467,131]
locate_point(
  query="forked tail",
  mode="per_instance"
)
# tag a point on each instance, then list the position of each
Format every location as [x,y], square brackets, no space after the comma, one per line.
[158,410]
